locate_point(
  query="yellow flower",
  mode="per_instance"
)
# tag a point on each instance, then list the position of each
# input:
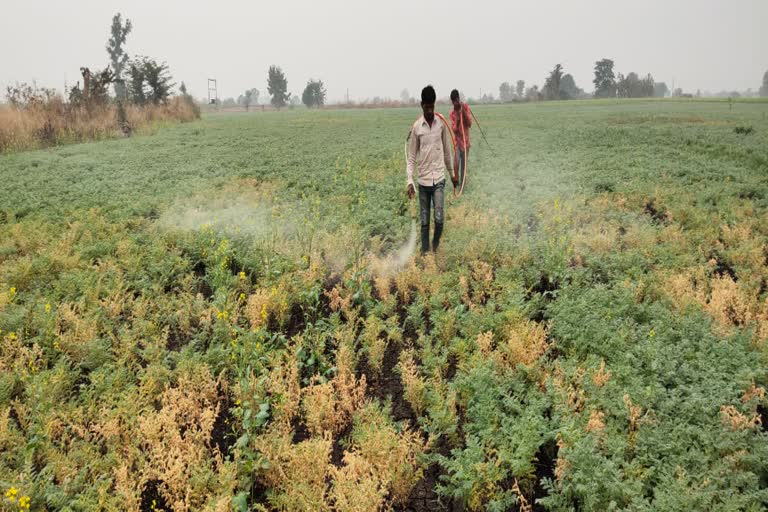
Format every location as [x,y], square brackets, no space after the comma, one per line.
[652,333]
[242,296]
[11,336]
[11,494]
[24,502]
[47,308]
[241,275]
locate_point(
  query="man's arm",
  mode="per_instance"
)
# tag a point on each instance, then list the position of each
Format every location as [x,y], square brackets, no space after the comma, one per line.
[413,149]
[467,116]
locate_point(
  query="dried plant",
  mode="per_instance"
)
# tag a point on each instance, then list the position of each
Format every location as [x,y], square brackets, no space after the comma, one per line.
[414,387]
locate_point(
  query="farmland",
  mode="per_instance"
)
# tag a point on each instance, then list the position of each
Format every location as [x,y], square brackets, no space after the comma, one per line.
[225,314]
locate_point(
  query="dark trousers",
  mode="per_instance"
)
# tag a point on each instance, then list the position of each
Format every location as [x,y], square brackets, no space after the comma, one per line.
[461,158]
[431,196]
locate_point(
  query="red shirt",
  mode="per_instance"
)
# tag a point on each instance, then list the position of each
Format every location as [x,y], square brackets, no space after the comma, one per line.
[456,125]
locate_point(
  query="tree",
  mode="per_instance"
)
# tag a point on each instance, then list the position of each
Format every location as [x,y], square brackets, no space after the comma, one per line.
[627,85]
[647,86]
[189,100]
[660,89]
[632,86]
[158,80]
[532,93]
[314,94]
[506,93]
[117,54]
[568,88]
[277,85]
[551,87]
[605,80]
[405,96]
[520,89]
[764,88]
[137,93]
[248,98]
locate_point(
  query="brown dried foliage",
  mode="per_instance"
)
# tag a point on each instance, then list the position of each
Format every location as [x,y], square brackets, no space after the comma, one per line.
[297,473]
[735,420]
[177,439]
[393,455]
[414,387]
[601,376]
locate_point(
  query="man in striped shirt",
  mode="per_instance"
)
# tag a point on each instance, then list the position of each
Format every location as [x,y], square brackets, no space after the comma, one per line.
[429,146]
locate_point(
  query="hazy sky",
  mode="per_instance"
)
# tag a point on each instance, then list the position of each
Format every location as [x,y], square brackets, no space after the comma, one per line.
[379,48]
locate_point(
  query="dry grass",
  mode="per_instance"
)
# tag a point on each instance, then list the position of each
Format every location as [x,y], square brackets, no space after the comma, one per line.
[57,123]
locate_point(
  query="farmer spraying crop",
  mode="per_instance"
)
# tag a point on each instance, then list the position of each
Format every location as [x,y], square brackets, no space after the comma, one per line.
[429,146]
[461,122]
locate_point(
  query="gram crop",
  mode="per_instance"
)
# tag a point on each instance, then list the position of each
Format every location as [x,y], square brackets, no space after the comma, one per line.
[200,319]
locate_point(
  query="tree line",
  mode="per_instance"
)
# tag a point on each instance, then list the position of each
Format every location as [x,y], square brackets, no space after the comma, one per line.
[314,94]
[607,84]
[558,85]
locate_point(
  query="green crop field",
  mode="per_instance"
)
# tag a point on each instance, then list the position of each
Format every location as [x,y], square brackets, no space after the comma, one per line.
[227,315]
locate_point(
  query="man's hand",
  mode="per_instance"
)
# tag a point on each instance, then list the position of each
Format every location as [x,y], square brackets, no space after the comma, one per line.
[411,191]
[455,179]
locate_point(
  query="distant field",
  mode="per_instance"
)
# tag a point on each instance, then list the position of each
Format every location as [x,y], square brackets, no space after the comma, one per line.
[225,313]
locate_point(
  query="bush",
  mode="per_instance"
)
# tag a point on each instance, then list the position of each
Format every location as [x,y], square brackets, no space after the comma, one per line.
[38,118]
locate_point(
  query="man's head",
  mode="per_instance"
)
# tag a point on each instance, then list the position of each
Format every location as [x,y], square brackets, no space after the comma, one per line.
[455,99]
[428,97]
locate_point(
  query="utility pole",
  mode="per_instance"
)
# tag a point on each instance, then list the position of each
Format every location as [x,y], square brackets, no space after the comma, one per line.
[213,88]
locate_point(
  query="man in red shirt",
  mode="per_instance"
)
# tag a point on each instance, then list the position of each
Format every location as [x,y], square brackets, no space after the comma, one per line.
[461,122]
